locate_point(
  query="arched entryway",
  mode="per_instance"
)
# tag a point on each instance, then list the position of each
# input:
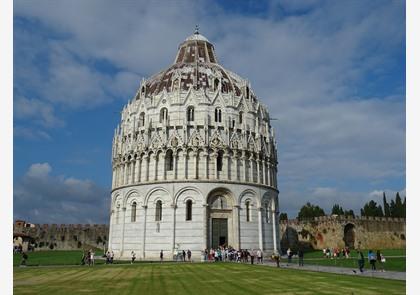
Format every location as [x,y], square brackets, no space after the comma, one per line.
[349,235]
[220,221]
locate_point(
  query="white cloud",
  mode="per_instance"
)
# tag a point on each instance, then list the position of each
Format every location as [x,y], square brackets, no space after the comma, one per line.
[41,197]
[323,74]
[36,110]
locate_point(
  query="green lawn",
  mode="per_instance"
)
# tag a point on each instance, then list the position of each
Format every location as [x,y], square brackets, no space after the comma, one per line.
[52,258]
[209,278]
[392,263]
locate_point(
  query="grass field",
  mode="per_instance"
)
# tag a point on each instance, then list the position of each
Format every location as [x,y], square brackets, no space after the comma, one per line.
[74,257]
[210,278]
[392,263]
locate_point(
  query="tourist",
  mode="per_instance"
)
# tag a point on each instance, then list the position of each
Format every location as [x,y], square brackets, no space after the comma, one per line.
[189,255]
[383,260]
[276,257]
[324,253]
[206,253]
[133,257]
[289,256]
[300,255]
[24,258]
[161,256]
[372,259]
[360,260]
[259,255]
[238,259]
[112,257]
[88,258]
[183,255]
[83,262]
[108,257]
[252,254]
[92,255]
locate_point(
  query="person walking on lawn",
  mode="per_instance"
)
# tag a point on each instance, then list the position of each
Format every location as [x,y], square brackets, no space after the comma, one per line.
[300,254]
[360,260]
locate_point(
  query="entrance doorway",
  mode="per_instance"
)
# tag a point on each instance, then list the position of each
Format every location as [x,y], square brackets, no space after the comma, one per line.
[349,235]
[219,235]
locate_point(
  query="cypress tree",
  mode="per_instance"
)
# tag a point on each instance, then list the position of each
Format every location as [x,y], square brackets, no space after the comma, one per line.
[387,211]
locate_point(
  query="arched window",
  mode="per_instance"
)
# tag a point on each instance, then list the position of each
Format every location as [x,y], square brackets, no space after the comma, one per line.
[220,202]
[169,161]
[133,211]
[247,92]
[240,117]
[219,161]
[247,204]
[188,212]
[267,214]
[141,119]
[233,123]
[190,114]
[158,213]
[117,214]
[163,115]
[218,115]
[216,84]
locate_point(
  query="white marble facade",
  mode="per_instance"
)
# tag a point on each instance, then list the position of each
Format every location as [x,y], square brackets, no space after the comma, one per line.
[194,162]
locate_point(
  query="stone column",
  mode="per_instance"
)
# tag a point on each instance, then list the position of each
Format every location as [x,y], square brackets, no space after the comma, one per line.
[251,165]
[264,167]
[268,173]
[260,228]
[144,230]
[146,167]
[163,165]
[122,233]
[258,170]
[113,178]
[205,227]
[206,164]
[138,168]
[214,155]
[235,166]
[125,173]
[175,165]
[174,226]
[243,158]
[226,166]
[185,159]
[111,221]
[237,225]
[132,171]
[155,158]
[275,223]
[195,155]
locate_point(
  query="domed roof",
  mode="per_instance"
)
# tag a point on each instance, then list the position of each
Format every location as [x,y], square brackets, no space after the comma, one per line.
[196,66]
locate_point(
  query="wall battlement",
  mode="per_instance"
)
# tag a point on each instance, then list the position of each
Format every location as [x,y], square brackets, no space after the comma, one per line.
[340,231]
[64,236]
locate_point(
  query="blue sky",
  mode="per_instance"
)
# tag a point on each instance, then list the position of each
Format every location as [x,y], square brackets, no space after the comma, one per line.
[331,72]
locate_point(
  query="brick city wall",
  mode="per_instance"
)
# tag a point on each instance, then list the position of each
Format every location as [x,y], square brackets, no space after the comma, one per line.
[340,231]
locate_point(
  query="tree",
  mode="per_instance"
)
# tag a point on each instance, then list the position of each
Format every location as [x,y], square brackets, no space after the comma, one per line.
[336,209]
[371,209]
[349,213]
[397,208]
[310,211]
[387,210]
[283,216]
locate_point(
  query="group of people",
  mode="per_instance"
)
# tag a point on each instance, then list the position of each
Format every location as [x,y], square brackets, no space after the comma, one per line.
[88,258]
[290,254]
[109,257]
[336,252]
[223,253]
[373,259]
[179,255]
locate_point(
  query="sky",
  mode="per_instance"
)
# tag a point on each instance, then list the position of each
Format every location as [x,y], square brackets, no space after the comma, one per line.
[331,72]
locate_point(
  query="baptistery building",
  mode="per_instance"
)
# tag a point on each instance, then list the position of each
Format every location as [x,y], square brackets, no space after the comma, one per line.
[194,162]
